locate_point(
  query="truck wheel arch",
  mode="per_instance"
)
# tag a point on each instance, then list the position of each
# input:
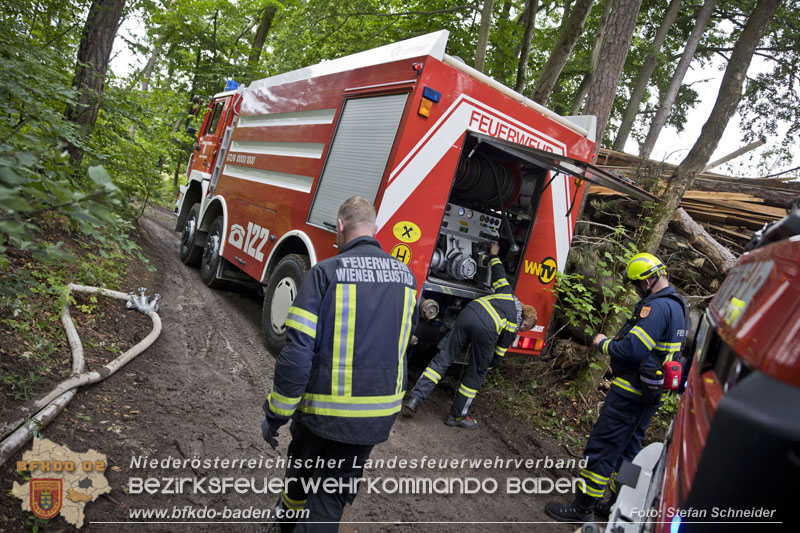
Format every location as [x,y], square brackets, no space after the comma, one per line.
[193,195]
[291,242]
[215,208]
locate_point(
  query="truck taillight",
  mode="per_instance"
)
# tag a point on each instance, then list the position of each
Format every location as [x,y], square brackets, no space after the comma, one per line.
[527,343]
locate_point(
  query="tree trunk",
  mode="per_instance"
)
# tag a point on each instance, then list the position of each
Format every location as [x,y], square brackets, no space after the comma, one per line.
[612,56]
[602,90]
[160,40]
[483,35]
[214,39]
[570,31]
[730,94]
[586,82]
[702,241]
[97,40]
[264,25]
[668,99]
[506,11]
[643,79]
[531,6]
[147,72]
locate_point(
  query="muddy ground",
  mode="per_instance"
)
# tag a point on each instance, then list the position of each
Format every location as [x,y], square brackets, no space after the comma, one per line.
[198,391]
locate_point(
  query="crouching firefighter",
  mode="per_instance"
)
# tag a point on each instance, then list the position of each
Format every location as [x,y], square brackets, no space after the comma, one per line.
[341,375]
[491,324]
[654,335]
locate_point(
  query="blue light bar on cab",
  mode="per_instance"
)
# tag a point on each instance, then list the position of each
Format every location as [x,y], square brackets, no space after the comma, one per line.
[431,95]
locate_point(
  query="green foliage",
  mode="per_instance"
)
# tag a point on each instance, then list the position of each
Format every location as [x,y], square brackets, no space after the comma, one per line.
[20,385]
[771,105]
[36,181]
[596,299]
[137,140]
[36,523]
[664,416]
[58,223]
[316,30]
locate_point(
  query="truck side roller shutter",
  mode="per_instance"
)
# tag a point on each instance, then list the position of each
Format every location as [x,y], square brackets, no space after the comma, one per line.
[358,155]
[570,166]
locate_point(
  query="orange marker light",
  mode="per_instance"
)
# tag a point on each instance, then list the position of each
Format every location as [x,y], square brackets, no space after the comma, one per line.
[425,107]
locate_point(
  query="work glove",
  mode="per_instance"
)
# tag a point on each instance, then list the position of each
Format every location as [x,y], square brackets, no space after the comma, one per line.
[497,361]
[269,430]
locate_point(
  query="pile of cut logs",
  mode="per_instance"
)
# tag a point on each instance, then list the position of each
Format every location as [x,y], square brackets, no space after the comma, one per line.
[731,209]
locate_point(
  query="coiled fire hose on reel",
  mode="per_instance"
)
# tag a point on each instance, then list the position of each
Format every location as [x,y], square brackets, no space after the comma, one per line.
[16,429]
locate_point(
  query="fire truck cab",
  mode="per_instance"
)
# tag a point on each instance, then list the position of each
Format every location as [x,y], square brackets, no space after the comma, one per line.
[452,159]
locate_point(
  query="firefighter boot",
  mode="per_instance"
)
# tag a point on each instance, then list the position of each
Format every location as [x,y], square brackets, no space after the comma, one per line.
[410,407]
[603,507]
[461,422]
[580,510]
[282,524]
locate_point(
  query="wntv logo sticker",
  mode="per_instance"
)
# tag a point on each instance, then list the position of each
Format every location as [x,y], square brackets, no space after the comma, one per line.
[545,271]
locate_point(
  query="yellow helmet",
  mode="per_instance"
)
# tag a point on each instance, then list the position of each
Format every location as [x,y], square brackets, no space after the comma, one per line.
[643,266]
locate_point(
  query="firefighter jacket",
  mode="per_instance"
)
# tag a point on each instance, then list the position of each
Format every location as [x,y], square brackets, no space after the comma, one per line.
[343,367]
[502,309]
[652,336]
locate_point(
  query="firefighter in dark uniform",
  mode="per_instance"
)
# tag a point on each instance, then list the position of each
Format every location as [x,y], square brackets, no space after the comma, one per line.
[651,337]
[491,324]
[341,376]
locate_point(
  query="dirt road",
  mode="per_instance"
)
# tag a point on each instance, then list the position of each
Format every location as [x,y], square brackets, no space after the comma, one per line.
[198,392]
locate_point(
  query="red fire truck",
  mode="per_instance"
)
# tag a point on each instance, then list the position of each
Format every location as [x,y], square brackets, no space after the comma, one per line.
[452,159]
[732,456]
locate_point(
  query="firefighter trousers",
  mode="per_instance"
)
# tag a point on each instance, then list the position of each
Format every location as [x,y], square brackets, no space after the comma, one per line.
[616,437]
[313,459]
[474,326]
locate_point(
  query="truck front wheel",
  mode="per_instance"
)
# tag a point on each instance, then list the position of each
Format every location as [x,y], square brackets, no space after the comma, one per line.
[278,298]
[190,252]
[209,264]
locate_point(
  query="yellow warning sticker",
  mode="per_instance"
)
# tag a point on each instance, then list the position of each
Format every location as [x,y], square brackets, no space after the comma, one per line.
[401,252]
[406,231]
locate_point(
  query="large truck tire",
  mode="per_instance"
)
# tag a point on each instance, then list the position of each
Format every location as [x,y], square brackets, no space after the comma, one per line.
[191,252]
[209,264]
[282,288]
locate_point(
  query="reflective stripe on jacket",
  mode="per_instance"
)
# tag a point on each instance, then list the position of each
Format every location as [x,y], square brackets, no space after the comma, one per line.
[502,309]
[652,336]
[343,368]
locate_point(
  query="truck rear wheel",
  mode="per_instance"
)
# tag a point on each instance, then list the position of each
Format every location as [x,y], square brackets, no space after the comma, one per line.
[284,283]
[190,252]
[209,263]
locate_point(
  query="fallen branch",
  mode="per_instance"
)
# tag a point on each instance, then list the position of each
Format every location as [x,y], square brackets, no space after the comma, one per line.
[722,258]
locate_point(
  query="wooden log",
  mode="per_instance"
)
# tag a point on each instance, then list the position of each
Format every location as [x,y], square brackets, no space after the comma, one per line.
[735,206]
[702,241]
[725,196]
[778,197]
[731,232]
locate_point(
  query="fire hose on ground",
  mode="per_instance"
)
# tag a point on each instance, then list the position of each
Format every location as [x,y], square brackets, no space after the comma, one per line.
[16,429]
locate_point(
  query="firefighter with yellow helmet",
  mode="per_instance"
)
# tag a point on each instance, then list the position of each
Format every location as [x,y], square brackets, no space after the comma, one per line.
[652,336]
